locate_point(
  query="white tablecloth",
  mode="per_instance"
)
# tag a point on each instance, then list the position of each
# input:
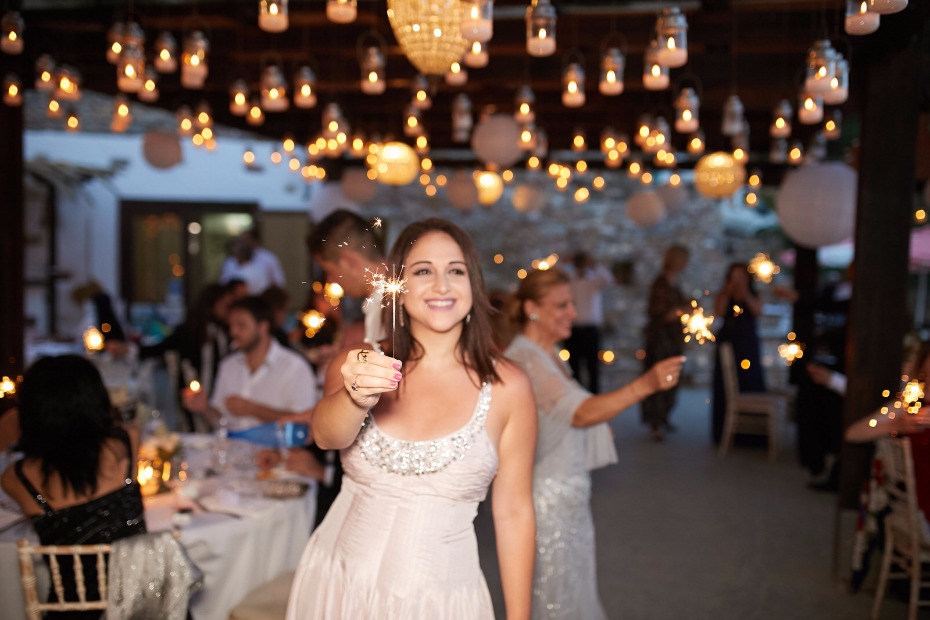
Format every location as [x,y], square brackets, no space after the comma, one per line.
[236,553]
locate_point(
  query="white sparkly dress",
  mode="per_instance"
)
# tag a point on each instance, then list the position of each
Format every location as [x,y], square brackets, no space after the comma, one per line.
[565,575]
[399,541]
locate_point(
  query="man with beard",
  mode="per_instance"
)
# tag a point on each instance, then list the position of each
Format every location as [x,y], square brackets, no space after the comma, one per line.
[261,381]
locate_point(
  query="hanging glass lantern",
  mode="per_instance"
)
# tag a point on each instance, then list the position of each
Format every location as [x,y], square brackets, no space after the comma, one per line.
[732,116]
[371,62]
[740,140]
[133,34]
[166,53]
[687,111]
[839,85]
[540,28]
[122,115]
[53,109]
[859,19]
[115,42]
[341,11]
[204,115]
[542,144]
[149,91]
[821,67]
[778,153]
[810,108]
[12,90]
[886,7]
[832,127]
[608,140]
[697,143]
[11,29]
[130,68]
[274,89]
[256,115]
[672,30]
[613,64]
[45,73]
[524,100]
[781,120]
[658,137]
[73,122]
[655,74]
[419,93]
[573,95]
[754,181]
[796,153]
[413,125]
[643,127]
[528,137]
[68,84]
[272,15]
[194,65]
[477,20]
[578,140]
[305,88]
[239,98]
[477,55]
[456,75]
[461,118]
[422,144]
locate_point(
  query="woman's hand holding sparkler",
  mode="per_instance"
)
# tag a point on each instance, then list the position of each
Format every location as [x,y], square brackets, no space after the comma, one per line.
[367,374]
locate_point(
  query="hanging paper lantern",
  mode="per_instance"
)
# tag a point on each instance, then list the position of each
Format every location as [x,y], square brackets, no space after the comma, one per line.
[673,196]
[490,187]
[645,208]
[357,187]
[496,140]
[528,199]
[461,191]
[398,164]
[162,149]
[817,204]
[718,175]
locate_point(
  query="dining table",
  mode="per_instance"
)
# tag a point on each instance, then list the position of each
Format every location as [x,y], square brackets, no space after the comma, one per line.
[241,528]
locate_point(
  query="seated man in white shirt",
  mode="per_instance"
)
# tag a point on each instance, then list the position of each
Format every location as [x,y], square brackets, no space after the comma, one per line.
[261,381]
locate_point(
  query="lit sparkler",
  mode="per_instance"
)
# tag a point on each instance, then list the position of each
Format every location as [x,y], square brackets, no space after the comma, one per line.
[791,351]
[313,321]
[697,325]
[382,287]
[93,339]
[7,387]
[762,267]
[376,223]
[912,395]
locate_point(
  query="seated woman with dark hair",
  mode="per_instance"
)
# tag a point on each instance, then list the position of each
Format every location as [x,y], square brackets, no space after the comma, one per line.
[76,480]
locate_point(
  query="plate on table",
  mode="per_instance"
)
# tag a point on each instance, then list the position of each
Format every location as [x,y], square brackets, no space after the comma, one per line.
[284,489]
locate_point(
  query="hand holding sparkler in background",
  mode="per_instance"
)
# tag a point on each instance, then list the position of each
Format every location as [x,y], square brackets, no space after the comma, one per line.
[697,325]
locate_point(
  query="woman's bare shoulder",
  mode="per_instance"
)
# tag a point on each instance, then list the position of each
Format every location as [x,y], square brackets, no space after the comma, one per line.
[514,381]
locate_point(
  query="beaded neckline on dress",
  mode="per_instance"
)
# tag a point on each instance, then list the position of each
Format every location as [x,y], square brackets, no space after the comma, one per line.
[409,458]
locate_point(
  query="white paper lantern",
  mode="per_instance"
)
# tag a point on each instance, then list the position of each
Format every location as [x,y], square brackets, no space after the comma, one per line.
[162,149]
[645,208]
[357,187]
[817,204]
[528,199]
[673,196]
[496,140]
[461,191]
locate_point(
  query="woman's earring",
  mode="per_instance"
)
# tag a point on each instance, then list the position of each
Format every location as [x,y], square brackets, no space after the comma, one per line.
[468,318]
[401,316]
[534,317]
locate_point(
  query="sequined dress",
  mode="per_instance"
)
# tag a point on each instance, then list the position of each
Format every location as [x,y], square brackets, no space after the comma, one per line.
[565,573]
[399,541]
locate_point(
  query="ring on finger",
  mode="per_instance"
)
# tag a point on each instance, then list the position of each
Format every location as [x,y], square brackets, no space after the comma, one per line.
[362,356]
[669,378]
[354,384]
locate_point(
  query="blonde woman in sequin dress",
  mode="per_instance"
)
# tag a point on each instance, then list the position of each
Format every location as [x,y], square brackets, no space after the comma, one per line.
[573,439]
[423,434]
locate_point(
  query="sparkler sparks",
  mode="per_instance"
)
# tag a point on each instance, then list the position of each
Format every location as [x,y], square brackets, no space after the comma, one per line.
[762,267]
[383,286]
[791,351]
[376,223]
[697,325]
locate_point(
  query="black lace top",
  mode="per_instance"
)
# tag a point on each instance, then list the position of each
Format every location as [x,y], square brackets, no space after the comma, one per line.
[118,514]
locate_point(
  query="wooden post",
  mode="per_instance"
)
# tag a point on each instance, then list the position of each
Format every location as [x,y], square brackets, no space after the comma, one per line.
[878,317]
[12,241]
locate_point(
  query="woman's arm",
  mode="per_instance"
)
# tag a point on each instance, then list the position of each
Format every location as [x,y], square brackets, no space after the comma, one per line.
[338,417]
[512,494]
[863,430]
[720,303]
[602,407]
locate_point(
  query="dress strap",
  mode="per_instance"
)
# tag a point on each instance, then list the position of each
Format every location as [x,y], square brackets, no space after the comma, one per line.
[36,495]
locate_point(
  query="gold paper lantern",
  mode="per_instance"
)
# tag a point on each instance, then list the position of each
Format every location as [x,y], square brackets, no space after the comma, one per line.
[429,33]
[398,164]
[718,175]
[490,187]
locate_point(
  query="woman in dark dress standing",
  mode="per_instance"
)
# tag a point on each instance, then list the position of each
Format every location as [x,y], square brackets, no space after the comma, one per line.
[737,306]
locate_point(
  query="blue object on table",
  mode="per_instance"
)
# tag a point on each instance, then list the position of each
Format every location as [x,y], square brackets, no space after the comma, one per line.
[287,435]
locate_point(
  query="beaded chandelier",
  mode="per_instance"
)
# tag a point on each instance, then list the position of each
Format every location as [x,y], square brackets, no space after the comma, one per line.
[429,32]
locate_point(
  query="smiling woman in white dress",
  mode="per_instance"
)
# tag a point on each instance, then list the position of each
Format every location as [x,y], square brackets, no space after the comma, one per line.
[573,439]
[423,433]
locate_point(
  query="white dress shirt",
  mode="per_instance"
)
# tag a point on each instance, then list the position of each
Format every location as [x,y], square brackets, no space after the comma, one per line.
[586,293]
[284,381]
[259,273]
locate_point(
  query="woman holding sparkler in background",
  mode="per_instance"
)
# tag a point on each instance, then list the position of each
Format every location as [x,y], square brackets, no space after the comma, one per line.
[423,433]
[573,439]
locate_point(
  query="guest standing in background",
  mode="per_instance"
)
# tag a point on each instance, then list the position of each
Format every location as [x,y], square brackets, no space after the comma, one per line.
[77,478]
[664,337]
[573,439]
[261,381]
[250,261]
[588,278]
[423,433]
[738,306]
